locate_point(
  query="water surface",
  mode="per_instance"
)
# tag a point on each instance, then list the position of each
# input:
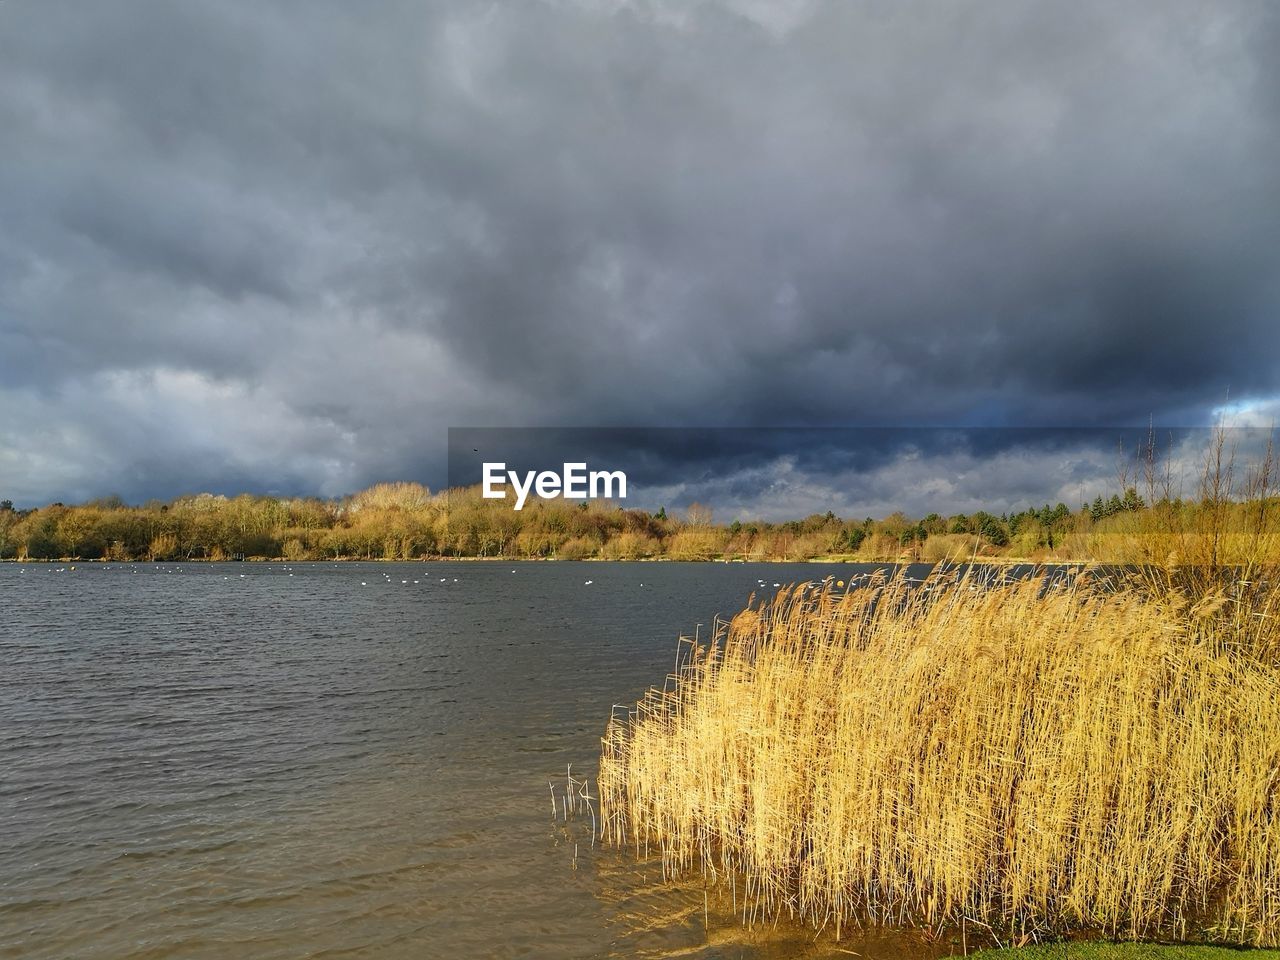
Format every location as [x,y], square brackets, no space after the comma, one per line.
[342,760]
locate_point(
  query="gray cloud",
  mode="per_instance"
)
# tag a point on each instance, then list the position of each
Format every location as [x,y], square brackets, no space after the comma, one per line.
[284,246]
[783,473]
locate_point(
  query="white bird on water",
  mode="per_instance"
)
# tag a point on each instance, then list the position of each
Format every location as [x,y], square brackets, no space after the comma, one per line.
[588,583]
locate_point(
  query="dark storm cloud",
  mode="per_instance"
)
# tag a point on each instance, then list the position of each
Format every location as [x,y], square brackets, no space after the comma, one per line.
[283,246]
[786,472]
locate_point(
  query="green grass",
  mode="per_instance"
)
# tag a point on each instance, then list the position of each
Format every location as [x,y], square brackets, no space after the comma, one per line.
[1125,951]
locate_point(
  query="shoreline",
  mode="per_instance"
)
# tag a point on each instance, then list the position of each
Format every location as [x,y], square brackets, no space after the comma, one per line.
[900,561]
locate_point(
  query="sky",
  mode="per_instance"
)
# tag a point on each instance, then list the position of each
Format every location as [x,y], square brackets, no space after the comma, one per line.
[282,247]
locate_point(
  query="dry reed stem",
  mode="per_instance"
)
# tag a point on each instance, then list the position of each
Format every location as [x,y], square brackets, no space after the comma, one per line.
[1029,758]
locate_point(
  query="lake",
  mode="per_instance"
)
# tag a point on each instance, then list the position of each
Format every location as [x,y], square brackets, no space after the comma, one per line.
[343,760]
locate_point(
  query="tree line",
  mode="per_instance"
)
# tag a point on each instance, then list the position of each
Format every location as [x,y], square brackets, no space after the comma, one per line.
[406,521]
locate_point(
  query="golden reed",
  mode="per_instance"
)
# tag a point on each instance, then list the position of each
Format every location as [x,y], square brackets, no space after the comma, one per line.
[1036,759]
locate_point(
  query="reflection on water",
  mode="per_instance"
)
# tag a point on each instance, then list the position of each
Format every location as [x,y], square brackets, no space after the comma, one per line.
[651,916]
[347,760]
[651,919]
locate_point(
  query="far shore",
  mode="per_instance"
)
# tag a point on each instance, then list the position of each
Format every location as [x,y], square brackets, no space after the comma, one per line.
[863,561]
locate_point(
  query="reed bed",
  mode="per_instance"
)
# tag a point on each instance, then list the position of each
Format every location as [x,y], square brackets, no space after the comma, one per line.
[1036,759]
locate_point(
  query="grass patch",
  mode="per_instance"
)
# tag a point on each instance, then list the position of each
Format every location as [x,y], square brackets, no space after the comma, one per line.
[1125,951]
